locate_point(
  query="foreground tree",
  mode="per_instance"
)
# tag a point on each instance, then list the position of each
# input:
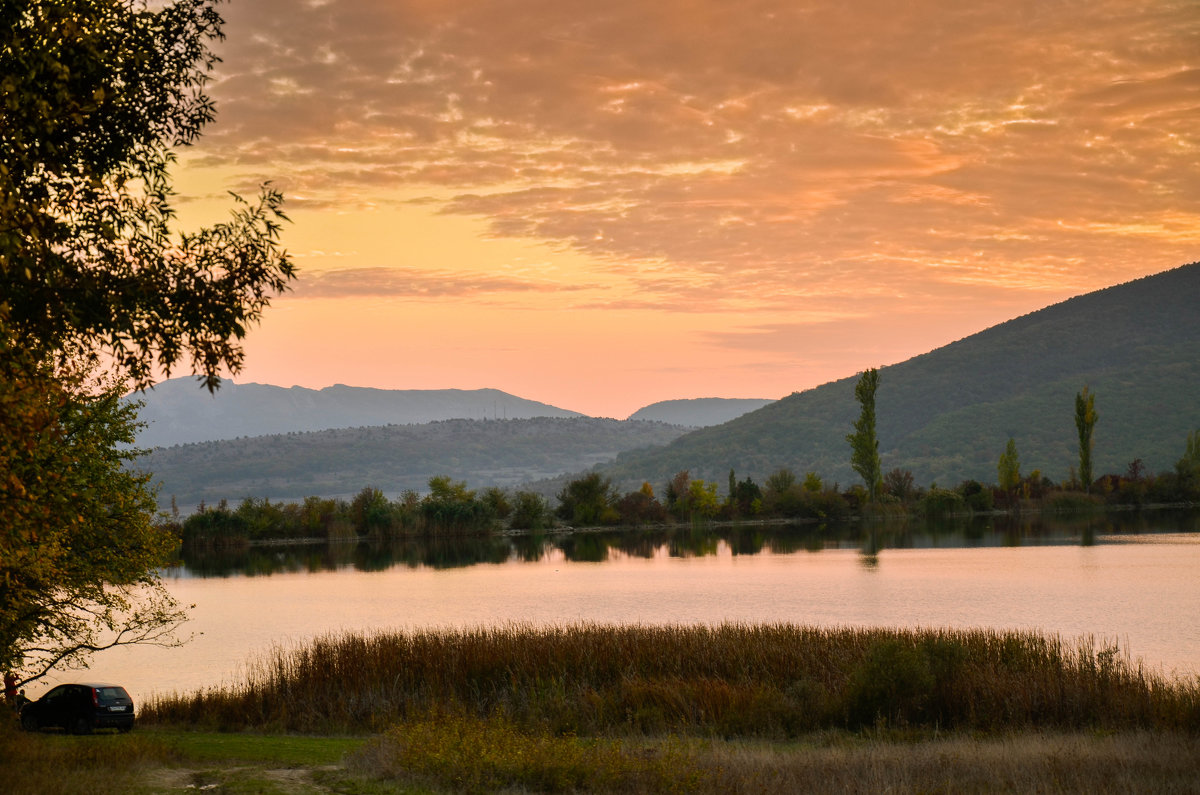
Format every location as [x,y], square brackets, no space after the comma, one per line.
[94,96]
[864,445]
[1085,423]
[78,549]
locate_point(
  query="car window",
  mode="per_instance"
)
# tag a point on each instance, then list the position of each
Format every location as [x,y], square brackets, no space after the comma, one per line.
[57,693]
[107,694]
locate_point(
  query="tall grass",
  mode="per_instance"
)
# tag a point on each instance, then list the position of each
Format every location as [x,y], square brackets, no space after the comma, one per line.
[773,680]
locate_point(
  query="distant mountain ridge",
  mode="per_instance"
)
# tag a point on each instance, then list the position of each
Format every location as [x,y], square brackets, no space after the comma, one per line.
[179,411]
[340,462]
[947,414]
[698,412]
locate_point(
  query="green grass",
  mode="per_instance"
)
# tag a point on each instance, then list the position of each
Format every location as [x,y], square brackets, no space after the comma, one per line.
[288,749]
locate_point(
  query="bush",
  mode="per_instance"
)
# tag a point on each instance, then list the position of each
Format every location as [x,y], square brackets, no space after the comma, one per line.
[1070,503]
[976,496]
[941,502]
[215,527]
[470,754]
[892,684]
[589,500]
[529,512]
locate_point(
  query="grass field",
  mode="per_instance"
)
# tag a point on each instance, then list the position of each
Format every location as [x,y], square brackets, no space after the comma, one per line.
[414,757]
[589,708]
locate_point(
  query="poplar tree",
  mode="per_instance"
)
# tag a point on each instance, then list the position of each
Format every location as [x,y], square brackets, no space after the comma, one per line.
[1085,423]
[864,446]
[1009,468]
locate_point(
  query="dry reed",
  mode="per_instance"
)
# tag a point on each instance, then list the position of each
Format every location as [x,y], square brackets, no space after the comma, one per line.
[773,680]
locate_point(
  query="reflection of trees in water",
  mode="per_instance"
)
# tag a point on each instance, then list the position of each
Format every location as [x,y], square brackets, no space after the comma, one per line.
[872,540]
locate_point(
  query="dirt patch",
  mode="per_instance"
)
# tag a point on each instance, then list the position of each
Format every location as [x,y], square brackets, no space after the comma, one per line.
[284,781]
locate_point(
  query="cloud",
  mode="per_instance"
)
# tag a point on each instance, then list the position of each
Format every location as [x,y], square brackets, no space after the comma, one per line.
[745,144]
[399,282]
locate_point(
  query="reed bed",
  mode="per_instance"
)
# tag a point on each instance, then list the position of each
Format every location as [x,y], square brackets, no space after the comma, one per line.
[776,680]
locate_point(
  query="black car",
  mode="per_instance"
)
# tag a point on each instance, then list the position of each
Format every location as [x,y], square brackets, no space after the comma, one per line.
[80,708]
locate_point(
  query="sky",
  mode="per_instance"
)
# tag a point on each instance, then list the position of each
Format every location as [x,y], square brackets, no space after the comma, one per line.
[600,205]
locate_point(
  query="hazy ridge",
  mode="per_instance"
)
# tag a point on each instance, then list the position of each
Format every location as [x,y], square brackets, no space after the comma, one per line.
[698,412]
[179,411]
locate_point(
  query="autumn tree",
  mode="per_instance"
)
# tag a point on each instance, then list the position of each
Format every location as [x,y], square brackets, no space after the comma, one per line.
[95,96]
[864,445]
[1085,423]
[78,548]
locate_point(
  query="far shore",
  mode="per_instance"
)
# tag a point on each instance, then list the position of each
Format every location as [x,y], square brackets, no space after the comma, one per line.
[774,521]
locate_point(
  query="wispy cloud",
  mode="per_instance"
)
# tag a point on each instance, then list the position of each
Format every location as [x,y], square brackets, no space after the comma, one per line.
[748,146]
[397,282]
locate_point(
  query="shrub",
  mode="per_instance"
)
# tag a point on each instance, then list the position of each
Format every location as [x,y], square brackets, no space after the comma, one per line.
[941,502]
[1069,503]
[892,684]
[976,496]
[529,512]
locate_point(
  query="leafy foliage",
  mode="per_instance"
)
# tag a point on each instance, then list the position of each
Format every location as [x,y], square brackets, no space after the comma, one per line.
[95,95]
[588,501]
[78,551]
[1009,468]
[864,445]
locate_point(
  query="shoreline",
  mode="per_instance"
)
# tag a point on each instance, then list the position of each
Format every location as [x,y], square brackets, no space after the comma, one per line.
[883,517]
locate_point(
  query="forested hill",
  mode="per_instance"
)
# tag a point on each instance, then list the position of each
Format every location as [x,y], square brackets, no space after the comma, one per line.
[392,458]
[946,415]
[178,411]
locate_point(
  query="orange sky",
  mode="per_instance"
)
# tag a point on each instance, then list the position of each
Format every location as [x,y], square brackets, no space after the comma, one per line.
[604,204]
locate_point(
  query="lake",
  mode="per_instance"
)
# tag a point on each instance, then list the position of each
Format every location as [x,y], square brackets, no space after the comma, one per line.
[1126,579]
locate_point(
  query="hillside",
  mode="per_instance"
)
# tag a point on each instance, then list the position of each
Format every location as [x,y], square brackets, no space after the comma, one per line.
[698,412]
[947,414]
[179,411]
[392,458]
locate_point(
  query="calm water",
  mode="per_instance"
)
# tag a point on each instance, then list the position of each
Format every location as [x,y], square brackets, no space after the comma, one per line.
[1131,581]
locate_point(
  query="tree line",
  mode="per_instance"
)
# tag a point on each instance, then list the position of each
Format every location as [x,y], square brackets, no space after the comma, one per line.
[450,508]
[592,500]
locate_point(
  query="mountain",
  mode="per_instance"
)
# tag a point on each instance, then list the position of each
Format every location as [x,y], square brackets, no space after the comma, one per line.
[946,415]
[179,411]
[392,458]
[699,412]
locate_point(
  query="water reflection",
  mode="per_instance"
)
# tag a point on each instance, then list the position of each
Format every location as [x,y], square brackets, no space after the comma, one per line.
[872,540]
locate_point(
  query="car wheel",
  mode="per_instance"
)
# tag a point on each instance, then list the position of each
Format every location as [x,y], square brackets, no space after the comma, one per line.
[29,723]
[81,726]
[124,729]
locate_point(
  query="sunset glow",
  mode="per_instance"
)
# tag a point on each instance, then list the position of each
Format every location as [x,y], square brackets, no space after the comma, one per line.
[601,205]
